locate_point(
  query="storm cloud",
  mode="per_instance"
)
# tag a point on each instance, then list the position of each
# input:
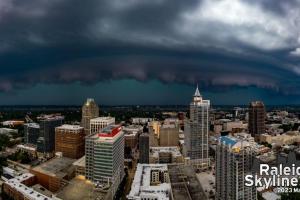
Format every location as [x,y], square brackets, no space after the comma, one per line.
[218,44]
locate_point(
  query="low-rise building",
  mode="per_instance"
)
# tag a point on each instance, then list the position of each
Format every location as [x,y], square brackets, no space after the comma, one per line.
[54,173]
[165,155]
[151,181]
[18,188]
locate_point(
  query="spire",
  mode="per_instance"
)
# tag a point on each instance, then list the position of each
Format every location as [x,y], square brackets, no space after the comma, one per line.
[197,93]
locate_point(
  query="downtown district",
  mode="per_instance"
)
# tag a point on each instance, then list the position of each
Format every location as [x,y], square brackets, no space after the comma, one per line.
[204,153]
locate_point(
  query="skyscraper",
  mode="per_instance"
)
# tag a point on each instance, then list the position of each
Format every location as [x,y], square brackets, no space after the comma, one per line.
[196,132]
[144,148]
[31,133]
[256,121]
[46,140]
[234,160]
[97,124]
[105,156]
[90,110]
[69,139]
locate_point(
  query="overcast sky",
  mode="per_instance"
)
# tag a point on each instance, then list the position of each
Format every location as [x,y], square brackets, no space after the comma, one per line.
[149,52]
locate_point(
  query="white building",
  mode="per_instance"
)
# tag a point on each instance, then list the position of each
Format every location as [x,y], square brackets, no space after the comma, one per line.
[196,132]
[105,156]
[97,124]
[234,160]
[151,182]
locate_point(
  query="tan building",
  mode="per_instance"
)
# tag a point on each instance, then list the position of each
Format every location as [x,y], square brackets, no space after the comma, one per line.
[284,139]
[155,126]
[160,155]
[169,135]
[54,173]
[90,110]
[69,139]
[97,124]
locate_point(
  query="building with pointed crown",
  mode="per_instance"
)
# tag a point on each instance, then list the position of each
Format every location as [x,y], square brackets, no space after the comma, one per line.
[196,132]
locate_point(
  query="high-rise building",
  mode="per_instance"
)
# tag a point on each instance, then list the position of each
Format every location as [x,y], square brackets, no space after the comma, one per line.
[144,148]
[90,110]
[256,120]
[196,132]
[69,140]
[31,133]
[46,140]
[104,154]
[97,124]
[169,135]
[234,160]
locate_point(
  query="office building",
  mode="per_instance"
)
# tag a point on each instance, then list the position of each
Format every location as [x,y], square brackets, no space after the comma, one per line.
[256,120]
[196,132]
[90,110]
[31,133]
[234,160]
[97,124]
[169,135]
[46,140]
[151,181]
[144,148]
[105,156]
[69,140]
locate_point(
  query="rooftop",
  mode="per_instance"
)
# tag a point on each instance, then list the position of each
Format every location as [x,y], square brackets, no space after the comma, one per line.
[141,183]
[70,127]
[80,162]
[32,125]
[81,189]
[154,151]
[102,119]
[57,166]
[28,192]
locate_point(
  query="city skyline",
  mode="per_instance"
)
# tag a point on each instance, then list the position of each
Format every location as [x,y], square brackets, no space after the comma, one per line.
[249,49]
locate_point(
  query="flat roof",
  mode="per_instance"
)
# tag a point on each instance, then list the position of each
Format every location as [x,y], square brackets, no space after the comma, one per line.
[141,182]
[185,185]
[25,190]
[70,127]
[57,166]
[80,188]
[80,162]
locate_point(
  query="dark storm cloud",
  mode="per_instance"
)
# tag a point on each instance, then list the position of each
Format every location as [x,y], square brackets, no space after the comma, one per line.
[220,44]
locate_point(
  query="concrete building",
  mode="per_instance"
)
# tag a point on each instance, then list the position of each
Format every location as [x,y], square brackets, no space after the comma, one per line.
[54,173]
[151,182]
[105,156]
[69,139]
[196,132]
[161,155]
[97,124]
[234,160]
[144,148]
[19,188]
[90,110]
[287,138]
[131,135]
[256,121]
[46,140]
[169,135]
[141,120]
[80,166]
[31,133]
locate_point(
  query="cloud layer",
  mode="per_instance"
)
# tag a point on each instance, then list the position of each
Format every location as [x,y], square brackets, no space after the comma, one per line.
[219,44]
